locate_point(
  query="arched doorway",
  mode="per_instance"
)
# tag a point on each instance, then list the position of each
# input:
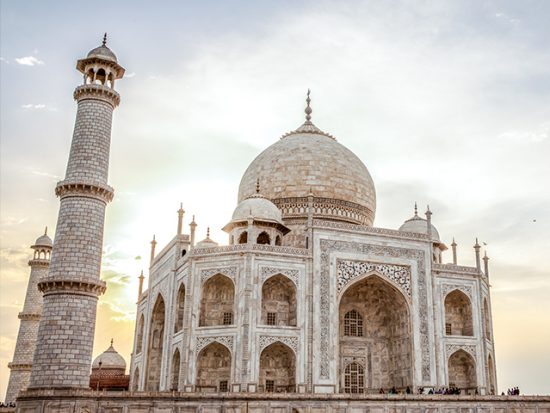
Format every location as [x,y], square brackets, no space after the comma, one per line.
[374,337]
[156,343]
[175,370]
[279,301]
[214,368]
[278,368]
[462,371]
[458,314]
[180,304]
[218,294]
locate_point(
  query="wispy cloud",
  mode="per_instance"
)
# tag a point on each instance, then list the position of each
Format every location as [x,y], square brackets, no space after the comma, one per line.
[29,61]
[129,75]
[38,106]
[4,60]
[46,174]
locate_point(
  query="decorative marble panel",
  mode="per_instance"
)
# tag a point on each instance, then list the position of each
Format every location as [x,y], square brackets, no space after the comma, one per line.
[292,342]
[230,272]
[266,272]
[327,247]
[447,288]
[468,348]
[347,270]
[202,342]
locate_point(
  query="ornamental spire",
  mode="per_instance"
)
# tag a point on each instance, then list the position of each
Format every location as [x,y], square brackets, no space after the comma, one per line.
[308,109]
[415,209]
[258,185]
[104,40]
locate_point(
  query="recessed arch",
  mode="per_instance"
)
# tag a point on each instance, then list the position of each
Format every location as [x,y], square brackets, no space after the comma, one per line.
[379,311]
[458,314]
[486,319]
[139,335]
[354,378]
[462,370]
[155,346]
[263,238]
[279,301]
[180,307]
[243,237]
[214,368]
[278,240]
[376,274]
[176,360]
[217,301]
[491,375]
[135,380]
[278,368]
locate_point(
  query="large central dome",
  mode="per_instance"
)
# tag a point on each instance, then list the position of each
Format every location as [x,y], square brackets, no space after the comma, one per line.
[310,161]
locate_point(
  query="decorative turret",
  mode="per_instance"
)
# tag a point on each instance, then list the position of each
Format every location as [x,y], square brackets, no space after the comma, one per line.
[72,286]
[21,365]
[477,249]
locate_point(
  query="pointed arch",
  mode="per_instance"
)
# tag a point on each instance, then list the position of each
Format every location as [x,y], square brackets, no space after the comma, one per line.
[180,306]
[135,380]
[217,301]
[486,319]
[279,301]
[243,237]
[462,370]
[214,368]
[278,368]
[491,376]
[139,336]
[458,314]
[155,345]
[263,238]
[278,240]
[176,360]
[375,332]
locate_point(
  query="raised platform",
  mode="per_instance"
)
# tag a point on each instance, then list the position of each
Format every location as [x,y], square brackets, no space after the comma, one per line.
[85,401]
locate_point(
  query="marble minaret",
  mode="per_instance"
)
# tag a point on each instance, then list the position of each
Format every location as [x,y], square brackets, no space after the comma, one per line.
[71,289]
[20,367]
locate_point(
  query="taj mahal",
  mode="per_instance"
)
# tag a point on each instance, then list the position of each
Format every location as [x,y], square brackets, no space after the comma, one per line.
[308,306]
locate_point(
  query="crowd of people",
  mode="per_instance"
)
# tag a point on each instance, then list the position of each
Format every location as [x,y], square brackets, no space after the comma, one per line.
[514,391]
[11,404]
[442,390]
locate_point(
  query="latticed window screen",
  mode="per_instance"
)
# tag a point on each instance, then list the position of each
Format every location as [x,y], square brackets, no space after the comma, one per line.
[270,386]
[227,319]
[271,319]
[448,329]
[353,324]
[354,378]
[224,386]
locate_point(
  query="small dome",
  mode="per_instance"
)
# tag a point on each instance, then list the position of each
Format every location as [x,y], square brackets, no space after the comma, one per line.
[110,359]
[259,208]
[207,242]
[102,52]
[44,240]
[419,225]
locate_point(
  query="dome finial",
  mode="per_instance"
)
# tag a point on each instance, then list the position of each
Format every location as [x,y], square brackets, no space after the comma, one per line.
[208,232]
[258,185]
[112,341]
[46,231]
[416,209]
[308,109]
[105,39]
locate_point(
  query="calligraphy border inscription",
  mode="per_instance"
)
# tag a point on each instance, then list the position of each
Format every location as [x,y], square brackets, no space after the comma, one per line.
[327,247]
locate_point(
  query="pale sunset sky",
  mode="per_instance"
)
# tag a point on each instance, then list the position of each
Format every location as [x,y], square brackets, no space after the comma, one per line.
[446,102]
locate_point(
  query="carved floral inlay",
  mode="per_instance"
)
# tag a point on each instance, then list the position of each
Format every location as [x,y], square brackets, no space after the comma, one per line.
[266,272]
[447,288]
[202,342]
[327,248]
[347,270]
[230,272]
[292,342]
[450,349]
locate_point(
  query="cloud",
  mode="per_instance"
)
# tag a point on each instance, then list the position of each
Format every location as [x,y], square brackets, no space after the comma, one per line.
[38,106]
[129,75]
[46,174]
[4,60]
[28,61]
